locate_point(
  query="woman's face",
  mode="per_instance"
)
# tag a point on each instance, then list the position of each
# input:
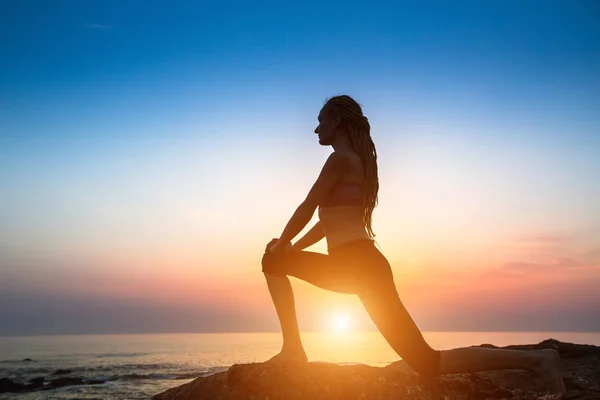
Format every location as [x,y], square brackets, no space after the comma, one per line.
[327,128]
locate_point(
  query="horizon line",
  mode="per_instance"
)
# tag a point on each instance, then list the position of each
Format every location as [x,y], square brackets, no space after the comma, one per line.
[279,332]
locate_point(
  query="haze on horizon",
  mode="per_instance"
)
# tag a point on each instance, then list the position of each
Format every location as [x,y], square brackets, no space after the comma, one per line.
[149,151]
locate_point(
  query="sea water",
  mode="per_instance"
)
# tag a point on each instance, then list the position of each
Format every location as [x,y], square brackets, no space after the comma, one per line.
[140,366]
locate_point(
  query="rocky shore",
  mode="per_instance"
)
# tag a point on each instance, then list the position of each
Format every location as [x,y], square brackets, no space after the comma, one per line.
[53,381]
[319,381]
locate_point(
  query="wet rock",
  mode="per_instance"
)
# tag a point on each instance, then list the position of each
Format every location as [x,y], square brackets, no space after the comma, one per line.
[95,381]
[62,372]
[7,385]
[40,383]
[65,381]
[36,383]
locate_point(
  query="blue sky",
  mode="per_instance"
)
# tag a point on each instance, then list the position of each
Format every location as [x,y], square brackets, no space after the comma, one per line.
[139,131]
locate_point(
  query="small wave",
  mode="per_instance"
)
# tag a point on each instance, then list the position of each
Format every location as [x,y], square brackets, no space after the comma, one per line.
[148,376]
[24,372]
[25,360]
[38,370]
[191,375]
[103,378]
[109,355]
[136,366]
[167,376]
[107,373]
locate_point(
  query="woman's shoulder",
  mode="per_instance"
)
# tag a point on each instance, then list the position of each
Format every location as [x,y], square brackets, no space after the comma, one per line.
[352,165]
[349,158]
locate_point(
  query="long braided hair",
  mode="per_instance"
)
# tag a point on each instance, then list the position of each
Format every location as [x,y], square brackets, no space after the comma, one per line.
[357,125]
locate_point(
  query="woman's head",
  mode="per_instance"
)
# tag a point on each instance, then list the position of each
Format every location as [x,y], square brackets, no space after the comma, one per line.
[342,115]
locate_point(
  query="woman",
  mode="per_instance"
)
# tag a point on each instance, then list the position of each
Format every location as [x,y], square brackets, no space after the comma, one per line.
[346,194]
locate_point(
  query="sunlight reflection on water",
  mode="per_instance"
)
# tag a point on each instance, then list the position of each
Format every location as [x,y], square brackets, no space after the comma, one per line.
[137,366]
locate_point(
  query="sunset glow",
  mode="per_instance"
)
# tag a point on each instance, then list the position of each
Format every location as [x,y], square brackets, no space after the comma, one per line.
[149,153]
[341,323]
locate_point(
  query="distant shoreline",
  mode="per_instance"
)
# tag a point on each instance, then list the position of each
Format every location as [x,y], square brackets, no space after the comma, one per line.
[273,332]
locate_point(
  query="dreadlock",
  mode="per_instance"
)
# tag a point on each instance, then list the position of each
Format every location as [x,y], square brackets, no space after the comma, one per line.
[359,129]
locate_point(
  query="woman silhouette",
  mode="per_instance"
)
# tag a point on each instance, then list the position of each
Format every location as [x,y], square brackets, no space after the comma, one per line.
[346,194]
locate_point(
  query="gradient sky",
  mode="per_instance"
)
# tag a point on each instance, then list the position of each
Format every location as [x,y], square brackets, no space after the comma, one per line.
[148,151]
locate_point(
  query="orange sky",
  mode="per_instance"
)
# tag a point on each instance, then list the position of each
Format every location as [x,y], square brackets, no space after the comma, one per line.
[145,165]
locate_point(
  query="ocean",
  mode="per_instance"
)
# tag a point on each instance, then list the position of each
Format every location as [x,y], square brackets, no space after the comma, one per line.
[140,366]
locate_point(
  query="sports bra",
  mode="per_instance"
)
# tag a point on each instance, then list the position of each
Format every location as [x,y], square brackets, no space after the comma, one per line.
[343,194]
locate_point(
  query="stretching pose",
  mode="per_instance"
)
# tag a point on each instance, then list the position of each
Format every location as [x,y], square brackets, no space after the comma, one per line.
[346,194]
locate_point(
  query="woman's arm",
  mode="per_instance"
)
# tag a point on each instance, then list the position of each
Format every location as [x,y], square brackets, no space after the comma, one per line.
[332,171]
[313,236]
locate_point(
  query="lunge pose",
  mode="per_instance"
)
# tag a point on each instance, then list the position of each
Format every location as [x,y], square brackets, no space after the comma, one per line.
[345,194]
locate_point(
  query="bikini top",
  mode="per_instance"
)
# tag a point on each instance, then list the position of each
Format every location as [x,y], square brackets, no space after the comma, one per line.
[343,194]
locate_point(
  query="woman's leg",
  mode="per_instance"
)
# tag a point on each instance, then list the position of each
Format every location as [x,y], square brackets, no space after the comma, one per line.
[328,272]
[383,304]
[544,363]
[381,301]
[318,269]
[281,292]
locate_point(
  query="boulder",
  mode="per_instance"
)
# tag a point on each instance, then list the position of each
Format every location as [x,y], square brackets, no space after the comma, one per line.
[321,381]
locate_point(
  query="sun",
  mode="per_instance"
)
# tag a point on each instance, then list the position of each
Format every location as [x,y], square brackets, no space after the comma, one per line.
[341,323]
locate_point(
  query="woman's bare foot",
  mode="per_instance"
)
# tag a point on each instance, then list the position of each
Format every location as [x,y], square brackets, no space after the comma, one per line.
[289,357]
[547,366]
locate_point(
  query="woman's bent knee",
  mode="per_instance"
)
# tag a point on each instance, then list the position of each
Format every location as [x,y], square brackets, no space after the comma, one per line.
[271,264]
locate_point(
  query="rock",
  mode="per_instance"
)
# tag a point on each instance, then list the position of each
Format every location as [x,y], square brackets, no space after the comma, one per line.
[27,359]
[95,381]
[39,383]
[65,381]
[7,385]
[320,381]
[62,372]
[36,383]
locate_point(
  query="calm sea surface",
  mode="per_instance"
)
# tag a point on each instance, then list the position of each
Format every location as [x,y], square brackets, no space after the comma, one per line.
[139,366]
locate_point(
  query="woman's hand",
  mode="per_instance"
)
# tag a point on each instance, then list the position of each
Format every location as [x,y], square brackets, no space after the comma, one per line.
[271,243]
[277,245]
